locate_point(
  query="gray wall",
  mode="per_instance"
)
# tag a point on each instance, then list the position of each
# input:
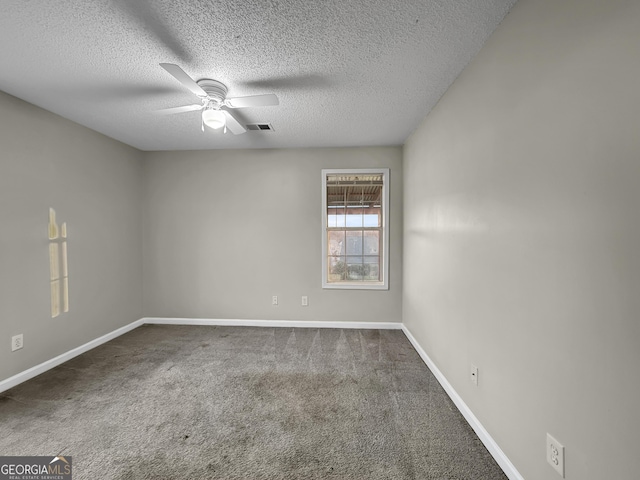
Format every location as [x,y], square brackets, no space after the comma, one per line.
[226,230]
[93,183]
[522,231]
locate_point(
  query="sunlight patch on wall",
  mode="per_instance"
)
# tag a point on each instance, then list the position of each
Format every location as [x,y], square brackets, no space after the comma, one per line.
[451,217]
[58,267]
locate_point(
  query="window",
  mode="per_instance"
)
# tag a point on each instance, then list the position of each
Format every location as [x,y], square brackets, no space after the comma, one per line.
[355,235]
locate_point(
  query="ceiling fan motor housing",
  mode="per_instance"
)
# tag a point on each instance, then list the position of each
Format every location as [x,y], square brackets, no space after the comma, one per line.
[216,91]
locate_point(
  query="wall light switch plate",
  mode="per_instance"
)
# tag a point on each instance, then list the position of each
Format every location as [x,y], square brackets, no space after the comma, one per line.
[274,300]
[305,301]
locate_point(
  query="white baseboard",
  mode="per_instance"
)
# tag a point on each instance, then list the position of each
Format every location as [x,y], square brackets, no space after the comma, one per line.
[495,451]
[54,362]
[270,323]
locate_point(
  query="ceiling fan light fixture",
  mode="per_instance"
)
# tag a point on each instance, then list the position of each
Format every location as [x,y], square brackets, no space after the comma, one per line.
[213,118]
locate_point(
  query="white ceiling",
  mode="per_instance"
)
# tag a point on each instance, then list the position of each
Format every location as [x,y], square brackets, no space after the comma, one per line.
[346,72]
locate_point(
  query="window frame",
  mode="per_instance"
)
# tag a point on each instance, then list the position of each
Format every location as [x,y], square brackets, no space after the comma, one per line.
[384,266]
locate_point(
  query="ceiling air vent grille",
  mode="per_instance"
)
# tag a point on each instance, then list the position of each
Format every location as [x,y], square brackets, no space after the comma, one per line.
[264,127]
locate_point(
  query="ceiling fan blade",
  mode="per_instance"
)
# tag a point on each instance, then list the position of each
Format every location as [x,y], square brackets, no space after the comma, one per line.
[184,79]
[253,101]
[233,124]
[172,110]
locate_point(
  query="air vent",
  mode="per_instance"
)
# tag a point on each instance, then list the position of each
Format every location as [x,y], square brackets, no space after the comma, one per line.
[265,127]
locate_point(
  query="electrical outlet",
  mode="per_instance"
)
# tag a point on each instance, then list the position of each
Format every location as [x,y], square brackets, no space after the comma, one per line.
[555,454]
[274,300]
[17,342]
[474,375]
[305,301]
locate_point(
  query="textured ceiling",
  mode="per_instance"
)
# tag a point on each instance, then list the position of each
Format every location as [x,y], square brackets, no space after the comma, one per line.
[347,73]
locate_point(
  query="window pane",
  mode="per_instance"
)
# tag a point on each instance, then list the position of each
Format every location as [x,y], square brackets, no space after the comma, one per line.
[372,269]
[336,243]
[354,243]
[332,221]
[371,243]
[337,269]
[354,217]
[335,216]
[353,260]
[373,217]
[363,268]
[355,268]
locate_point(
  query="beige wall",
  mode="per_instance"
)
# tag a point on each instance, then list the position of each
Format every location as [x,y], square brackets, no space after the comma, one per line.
[226,230]
[93,182]
[522,230]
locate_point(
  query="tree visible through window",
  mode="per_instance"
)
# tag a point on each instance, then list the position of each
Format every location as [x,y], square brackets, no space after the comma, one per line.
[354,244]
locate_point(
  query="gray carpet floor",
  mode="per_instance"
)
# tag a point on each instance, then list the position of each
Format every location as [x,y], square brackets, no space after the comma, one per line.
[190,402]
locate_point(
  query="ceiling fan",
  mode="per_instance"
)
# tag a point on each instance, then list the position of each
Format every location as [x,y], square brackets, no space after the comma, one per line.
[214,102]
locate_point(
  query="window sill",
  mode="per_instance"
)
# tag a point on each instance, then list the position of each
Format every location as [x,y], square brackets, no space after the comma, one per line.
[355,286]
